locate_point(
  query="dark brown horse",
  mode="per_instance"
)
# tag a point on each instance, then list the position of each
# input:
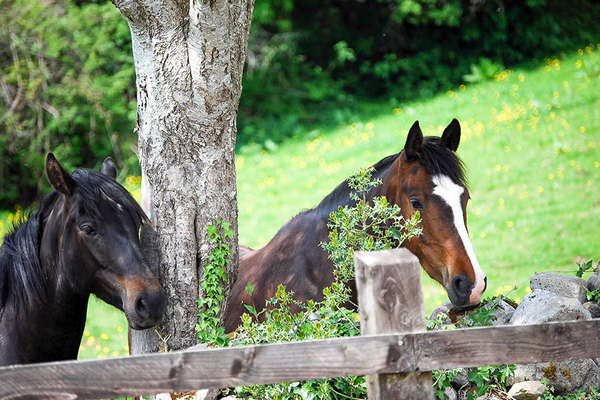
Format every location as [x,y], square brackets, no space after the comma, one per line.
[84,239]
[426,176]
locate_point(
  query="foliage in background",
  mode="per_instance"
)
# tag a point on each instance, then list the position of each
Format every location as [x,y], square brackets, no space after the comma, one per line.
[66,85]
[67,81]
[362,226]
[214,277]
[313,59]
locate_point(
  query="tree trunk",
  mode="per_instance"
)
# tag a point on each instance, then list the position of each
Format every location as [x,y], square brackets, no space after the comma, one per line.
[189,59]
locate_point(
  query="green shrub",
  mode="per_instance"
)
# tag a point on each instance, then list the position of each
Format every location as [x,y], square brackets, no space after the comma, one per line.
[214,278]
[363,226]
[483,379]
[593,394]
[483,70]
[67,86]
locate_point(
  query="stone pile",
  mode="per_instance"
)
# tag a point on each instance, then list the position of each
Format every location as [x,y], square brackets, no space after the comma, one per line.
[553,297]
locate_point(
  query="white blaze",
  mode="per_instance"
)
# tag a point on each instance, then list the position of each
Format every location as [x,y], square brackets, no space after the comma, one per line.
[450,192]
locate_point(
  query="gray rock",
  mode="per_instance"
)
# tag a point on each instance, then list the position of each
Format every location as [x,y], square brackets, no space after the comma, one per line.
[593,282]
[443,309]
[450,394]
[562,285]
[461,379]
[565,376]
[593,308]
[503,314]
[542,306]
[527,390]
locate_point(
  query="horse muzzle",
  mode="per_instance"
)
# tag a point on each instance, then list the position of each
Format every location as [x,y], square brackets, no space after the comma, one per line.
[463,294]
[146,310]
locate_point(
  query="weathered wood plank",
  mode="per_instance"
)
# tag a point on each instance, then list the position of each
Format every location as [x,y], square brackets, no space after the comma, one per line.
[391,301]
[183,371]
[522,344]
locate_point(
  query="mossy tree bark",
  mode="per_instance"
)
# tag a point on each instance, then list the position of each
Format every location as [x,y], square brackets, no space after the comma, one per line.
[189,59]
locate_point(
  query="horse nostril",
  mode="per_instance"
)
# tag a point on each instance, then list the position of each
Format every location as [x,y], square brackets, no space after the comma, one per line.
[150,306]
[461,286]
[141,306]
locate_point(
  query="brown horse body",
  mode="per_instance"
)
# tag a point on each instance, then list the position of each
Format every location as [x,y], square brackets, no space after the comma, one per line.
[426,176]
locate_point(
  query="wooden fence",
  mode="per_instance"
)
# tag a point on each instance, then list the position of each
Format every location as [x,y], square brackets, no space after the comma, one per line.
[394,351]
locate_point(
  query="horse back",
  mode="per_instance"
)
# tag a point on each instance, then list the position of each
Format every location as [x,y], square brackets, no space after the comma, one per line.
[293,258]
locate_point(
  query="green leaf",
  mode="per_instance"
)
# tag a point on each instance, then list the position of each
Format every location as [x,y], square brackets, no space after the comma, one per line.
[249,288]
[251,309]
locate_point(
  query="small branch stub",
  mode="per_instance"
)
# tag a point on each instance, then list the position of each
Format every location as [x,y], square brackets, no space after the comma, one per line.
[391,301]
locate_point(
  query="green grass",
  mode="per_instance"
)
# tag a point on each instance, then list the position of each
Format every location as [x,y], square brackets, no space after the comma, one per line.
[530,142]
[531,145]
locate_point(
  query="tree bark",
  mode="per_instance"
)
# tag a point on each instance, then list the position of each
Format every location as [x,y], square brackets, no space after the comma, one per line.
[189,59]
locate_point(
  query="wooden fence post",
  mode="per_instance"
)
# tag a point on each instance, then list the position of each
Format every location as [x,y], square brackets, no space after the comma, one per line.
[391,301]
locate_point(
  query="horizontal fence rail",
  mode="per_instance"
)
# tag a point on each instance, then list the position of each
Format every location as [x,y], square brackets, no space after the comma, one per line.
[270,363]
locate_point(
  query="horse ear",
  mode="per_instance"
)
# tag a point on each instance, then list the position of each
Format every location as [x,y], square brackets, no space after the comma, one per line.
[451,136]
[109,168]
[414,142]
[60,179]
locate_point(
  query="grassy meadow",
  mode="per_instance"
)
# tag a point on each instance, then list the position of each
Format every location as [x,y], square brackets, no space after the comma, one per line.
[531,145]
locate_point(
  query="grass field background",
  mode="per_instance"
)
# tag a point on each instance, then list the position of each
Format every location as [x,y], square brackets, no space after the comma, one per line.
[531,145]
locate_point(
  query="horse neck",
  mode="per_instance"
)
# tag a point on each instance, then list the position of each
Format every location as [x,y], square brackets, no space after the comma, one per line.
[63,315]
[390,183]
[65,282]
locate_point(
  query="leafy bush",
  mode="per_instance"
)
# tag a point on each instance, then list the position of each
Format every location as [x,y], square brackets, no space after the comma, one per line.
[66,85]
[213,278]
[363,226]
[594,394]
[485,69]
[482,379]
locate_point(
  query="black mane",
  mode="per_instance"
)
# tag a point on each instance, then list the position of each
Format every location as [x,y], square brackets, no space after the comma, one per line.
[95,187]
[22,278]
[434,158]
[341,194]
[438,159]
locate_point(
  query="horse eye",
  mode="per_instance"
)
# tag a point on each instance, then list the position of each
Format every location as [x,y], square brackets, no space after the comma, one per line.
[416,204]
[87,229]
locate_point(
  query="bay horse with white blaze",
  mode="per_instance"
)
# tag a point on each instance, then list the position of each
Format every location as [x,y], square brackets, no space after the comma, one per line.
[84,239]
[426,176]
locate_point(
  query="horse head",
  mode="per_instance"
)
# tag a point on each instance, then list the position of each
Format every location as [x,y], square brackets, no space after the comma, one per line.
[429,178]
[99,243]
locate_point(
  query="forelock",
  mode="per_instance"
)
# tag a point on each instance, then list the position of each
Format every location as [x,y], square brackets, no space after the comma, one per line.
[95,188]
[439,160]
